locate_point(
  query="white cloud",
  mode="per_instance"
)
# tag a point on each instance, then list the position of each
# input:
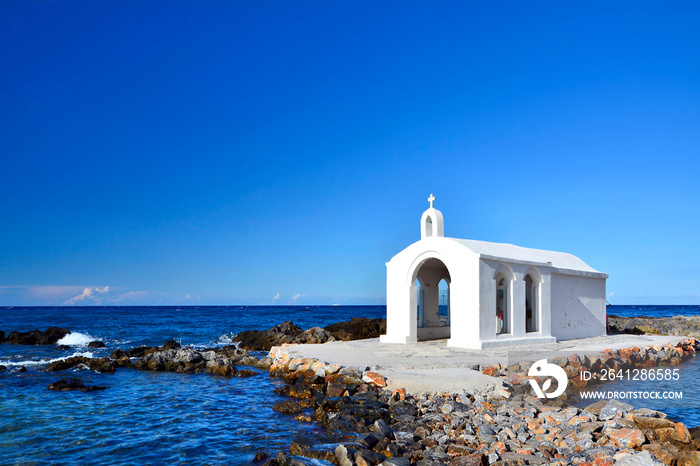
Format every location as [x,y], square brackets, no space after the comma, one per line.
[610,294]
[94,295]
[295,297]
[277,296]
[130,296]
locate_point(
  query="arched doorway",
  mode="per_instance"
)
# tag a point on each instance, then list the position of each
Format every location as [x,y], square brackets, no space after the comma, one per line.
[433,300]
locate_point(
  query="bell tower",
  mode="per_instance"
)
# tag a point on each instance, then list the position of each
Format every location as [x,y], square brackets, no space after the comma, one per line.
[432,223]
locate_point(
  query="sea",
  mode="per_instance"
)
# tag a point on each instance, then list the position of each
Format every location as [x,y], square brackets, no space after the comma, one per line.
[191,419]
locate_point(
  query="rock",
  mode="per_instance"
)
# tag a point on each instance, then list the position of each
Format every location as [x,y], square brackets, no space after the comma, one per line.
[304,447]
[653,422]
[375,379]
[140,351]
[266,339]
[643,458]
[475,459]
[2,336]
[73,384]
[170,344]
[63,347]
[676,325]
[260,456]
[96,344]
[286,332]
[613,407]
[37,337]
[626,438]
[287,407]
[283,459]
[596,407]
[396,462]
[521,458]
[678,432]
[22,369]
[666,454]
[368,458]
[689,458]
[105,365]
[3,368]
[316,335]
[358,328]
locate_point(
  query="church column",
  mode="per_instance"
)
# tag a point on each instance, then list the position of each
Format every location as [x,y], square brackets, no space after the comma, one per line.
[431,301]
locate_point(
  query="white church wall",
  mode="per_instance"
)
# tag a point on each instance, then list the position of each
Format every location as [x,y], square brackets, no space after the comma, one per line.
[578,306]
[565,297]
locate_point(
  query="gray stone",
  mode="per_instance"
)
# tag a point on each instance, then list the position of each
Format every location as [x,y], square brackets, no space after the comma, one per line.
[646,412]
[613,407]
[396,462]
[643,458]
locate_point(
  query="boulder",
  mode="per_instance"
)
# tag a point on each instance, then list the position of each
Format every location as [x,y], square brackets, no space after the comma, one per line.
[96,344]
[357,328]
[73,384]
[643,458]
[105,365]
[286,332]
[37,337]
[287,407]
[265,339]
[170,344]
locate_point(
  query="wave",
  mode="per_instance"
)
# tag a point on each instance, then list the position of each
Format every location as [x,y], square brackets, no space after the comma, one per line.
[227,338]
[42,362]
[76,339]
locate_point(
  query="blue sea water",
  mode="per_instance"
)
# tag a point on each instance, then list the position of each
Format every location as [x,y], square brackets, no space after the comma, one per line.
[146,417]
[165,418]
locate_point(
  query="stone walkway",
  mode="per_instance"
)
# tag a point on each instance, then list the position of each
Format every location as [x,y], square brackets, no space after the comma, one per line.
[432,366]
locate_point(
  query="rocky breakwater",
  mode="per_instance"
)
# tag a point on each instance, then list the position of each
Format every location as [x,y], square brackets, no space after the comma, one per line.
[369,425]
[34,337]
[578,368]
[170,357]
[357,328]
[676,325]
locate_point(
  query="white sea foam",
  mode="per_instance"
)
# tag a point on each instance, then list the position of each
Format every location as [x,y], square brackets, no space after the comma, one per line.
[42,362]
[76,339]
[227,338]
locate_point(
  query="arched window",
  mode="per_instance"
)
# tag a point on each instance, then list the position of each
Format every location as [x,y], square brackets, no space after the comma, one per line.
[443,303]
[428,226]
[502,303]
[532,301]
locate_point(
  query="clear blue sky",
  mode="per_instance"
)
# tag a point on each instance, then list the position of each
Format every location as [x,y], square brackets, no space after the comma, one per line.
[223,152]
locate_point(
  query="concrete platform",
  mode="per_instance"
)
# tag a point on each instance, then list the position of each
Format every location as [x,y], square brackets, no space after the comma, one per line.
[432,366]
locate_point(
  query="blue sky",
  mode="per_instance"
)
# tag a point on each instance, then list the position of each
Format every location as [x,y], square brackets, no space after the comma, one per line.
[261,152]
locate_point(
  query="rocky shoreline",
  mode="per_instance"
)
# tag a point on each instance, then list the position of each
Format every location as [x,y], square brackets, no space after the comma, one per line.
[369,425]
[676,325]
[357,328]
[382,427]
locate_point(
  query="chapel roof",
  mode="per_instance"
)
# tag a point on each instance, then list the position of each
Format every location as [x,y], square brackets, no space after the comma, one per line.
[560,260]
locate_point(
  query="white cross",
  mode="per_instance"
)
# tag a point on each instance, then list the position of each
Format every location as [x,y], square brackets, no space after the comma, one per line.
[431,199]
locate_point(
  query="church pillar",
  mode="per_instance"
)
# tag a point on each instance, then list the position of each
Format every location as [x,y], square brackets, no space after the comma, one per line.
[431,301]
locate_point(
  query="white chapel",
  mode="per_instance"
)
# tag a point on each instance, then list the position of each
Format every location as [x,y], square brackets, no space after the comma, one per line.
[479,294]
